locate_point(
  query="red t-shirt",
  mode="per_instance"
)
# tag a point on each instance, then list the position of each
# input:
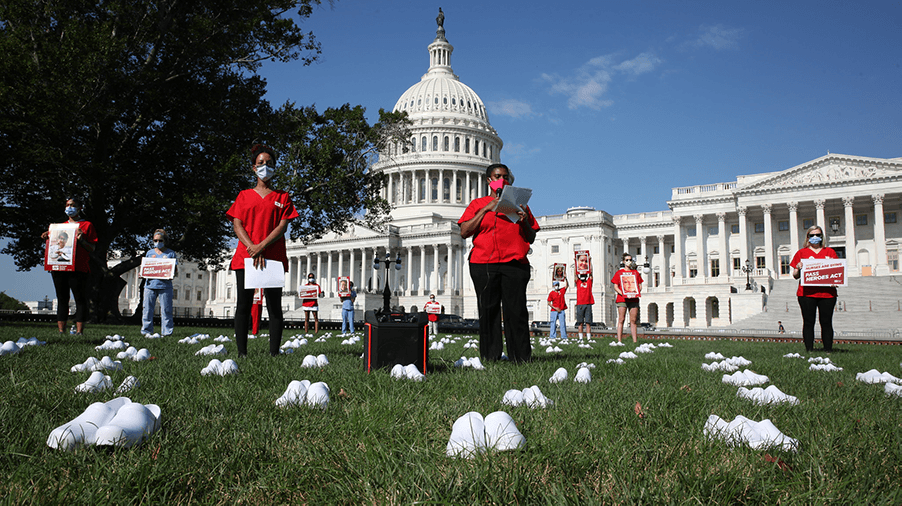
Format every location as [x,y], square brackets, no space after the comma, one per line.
[822,292]
[584,292]
[556,298]
[260,216]
[82,255]
[616,280]
[497,239]
[312,302]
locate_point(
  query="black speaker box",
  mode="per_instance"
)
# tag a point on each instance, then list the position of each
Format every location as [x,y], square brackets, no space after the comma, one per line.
[395,339]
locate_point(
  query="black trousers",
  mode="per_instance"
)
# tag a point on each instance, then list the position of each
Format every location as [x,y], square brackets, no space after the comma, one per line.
[824,306]
[77,282]
[273,298]
[502,286]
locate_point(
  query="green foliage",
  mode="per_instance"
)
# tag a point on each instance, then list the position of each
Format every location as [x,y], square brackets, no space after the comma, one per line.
[326,160]
[383,440]
[11,303]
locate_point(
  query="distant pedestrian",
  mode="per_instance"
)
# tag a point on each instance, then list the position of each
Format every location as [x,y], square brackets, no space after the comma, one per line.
[311,305]
[347,310]
[558,305]
[627,282]
[780,327]
[432,309]
[156,288]
[584,302]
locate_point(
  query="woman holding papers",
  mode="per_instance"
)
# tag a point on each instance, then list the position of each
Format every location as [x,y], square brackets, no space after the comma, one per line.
[626,283]
[157,287]
[499,268]
[260,218]
[815,299]
[75,280]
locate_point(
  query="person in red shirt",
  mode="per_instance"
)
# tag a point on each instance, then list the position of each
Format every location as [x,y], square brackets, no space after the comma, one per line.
[815,299]
[311,305]
[77,281]
[558,305]
[260,218]
[499,268]
[627,282]
[432,309]
[584,302]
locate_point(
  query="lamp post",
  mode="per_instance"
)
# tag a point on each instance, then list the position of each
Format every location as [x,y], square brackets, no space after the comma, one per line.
[386,293]
[834,225]
[747,269]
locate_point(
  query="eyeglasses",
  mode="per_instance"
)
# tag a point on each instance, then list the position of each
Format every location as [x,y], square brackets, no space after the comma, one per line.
[815,235]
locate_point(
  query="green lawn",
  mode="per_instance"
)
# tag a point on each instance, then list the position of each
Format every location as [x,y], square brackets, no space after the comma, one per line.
[382,440]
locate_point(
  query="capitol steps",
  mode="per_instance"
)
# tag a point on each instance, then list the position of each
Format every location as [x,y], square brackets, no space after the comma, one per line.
[866,304]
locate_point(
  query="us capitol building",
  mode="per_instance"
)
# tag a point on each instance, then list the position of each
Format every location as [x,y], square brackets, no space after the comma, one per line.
[696,249]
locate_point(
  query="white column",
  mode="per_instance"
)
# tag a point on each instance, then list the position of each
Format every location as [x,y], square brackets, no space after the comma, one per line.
[409,261]
[793,227]
[644,252]
[331,275]
[700,254]
[434,288]
[421,285]
[724,256]
[374,273]
[743,236]
[821,221]
[319,269]
[664,268]
[441,185]
[452,269]
[677,251]
[768,238]
[341,263]
[882,265]
[851,254]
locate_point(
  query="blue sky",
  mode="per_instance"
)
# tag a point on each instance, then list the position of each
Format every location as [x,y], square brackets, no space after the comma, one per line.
[612,104]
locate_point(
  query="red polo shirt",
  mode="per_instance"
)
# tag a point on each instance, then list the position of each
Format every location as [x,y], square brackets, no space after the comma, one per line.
[821,292]
[497,239]
[260,216]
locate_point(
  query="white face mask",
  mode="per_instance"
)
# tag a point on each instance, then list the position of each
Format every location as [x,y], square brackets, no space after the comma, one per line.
[814,239]
[264,172]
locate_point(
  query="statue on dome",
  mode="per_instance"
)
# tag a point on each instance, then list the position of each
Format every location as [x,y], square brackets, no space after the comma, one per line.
[440,19]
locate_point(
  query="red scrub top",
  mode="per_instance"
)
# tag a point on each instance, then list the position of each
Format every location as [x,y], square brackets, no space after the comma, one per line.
[260,216]
[616,281]
[557,300]
[584,292]
[497,239]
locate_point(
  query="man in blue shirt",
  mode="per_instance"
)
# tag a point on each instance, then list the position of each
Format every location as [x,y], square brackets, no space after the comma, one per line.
[347,310]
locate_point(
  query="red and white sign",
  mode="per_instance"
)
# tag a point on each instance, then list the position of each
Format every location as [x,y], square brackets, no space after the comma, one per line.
[157,268]
[433,308]
[629,285]
[308,291]
[824,272]
[344,286]
[59,254]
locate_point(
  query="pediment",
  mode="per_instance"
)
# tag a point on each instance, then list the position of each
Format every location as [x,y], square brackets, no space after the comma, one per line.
[828,170]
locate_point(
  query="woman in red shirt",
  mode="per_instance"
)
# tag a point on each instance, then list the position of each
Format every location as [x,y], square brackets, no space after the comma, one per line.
[815,299]
[78,280]
[260,218]
[499,268]
[626,280]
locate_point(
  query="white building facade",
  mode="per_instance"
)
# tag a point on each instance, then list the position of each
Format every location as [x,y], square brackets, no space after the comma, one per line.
[696,250]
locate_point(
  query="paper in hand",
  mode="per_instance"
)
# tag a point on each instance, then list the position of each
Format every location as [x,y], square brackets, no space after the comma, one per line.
[271,276]
[512,198]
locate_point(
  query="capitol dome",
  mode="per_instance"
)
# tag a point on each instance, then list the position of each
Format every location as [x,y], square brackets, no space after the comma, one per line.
[441,169]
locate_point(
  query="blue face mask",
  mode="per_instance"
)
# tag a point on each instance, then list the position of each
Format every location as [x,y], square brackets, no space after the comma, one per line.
[71,211]
[159,245]
[814,239]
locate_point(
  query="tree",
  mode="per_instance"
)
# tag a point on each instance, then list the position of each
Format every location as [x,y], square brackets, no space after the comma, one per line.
[146,109]
[11,303]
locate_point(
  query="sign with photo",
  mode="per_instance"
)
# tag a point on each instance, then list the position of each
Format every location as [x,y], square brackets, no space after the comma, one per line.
[823,272]
[629,285]
[344,286]
[157,268]
[558,272]
[308,291]
[583,262]
[59,254]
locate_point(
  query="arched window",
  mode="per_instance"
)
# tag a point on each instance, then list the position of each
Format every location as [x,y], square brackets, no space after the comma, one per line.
[457,144]
[446,189]
[460,190]
[435,101]
[453,101]
[435,142]
[467,145]
[413,144]
[434,188]
[419,101]
[445,100]
[446,146]
[476,147]
[423,148]
[483,150]
[422,189]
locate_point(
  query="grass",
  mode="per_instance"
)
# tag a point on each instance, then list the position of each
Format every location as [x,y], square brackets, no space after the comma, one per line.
[383,440]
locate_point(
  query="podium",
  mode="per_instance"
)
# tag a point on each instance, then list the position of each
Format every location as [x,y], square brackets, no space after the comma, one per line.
[396,338]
